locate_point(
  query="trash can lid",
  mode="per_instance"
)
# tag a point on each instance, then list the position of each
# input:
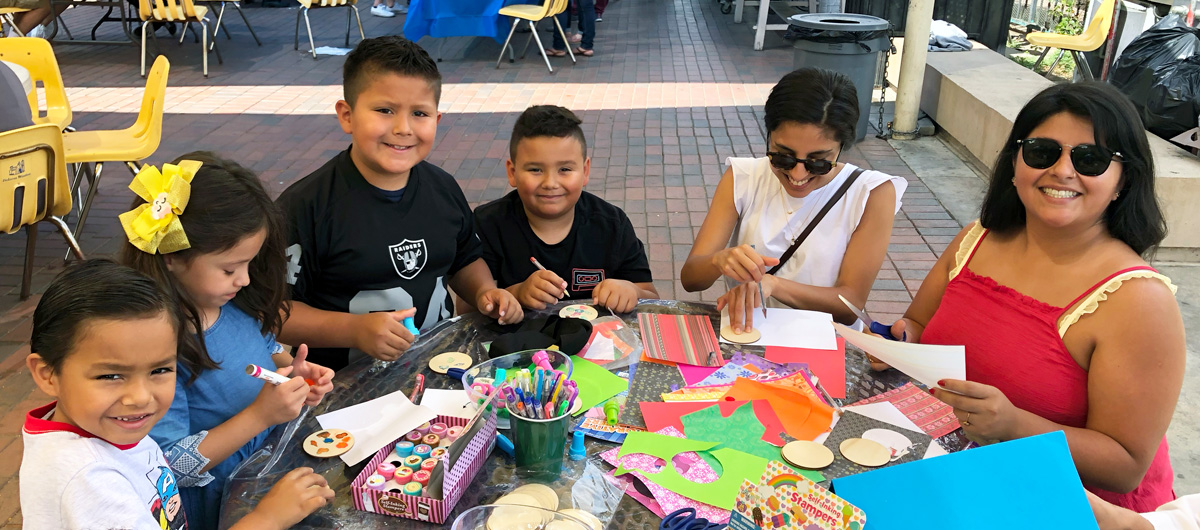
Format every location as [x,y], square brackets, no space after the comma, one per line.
[839,22]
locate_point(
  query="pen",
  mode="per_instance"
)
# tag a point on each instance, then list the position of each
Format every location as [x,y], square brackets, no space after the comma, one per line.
[536,264]
[761,298]
[416,393]
[259,372]
[538,391]
[562,408]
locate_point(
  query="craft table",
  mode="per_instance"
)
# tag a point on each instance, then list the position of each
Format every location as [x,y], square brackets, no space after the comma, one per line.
[127,16]
[458,18]
[368,379]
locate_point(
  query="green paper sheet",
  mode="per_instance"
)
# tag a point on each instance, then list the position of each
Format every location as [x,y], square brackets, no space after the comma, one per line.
[735,466]
[741,431]
[595,383]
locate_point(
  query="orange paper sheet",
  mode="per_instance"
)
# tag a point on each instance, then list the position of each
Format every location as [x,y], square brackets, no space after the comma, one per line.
[802,417]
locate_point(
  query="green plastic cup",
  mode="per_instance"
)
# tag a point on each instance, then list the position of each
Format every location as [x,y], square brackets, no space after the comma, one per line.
[539,444]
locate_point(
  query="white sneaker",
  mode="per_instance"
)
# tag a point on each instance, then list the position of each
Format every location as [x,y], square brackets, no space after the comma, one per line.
[598,19]
[399,8]
[382,11]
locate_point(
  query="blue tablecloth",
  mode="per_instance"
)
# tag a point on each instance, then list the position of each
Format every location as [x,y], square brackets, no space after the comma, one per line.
[458,18]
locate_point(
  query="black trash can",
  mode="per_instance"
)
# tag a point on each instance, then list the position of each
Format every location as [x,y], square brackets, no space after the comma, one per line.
[843,42]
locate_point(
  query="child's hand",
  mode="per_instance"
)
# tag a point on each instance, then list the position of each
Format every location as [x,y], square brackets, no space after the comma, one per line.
[296,495]
[500,305]
[277,404]
[540,289]
[321,377]
[383,335]
[617,295]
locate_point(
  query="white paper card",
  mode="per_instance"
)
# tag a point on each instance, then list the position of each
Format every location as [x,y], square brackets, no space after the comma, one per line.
[927,363]
[791,328]
[376,423]
[601,349]
[454,403]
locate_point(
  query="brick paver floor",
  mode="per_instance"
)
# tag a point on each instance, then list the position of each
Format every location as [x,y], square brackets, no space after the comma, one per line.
[673,89]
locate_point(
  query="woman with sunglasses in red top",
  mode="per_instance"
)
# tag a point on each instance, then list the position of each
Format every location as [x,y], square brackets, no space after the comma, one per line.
[800,223]
[1065,325]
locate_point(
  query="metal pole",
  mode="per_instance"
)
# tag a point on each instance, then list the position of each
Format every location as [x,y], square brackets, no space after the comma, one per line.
[912,68]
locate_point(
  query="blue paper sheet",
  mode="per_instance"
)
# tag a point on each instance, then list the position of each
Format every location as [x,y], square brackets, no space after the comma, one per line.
[1026,483]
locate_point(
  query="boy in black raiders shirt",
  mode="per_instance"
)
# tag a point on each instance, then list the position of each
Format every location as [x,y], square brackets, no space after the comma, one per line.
[377,234]
[587,245]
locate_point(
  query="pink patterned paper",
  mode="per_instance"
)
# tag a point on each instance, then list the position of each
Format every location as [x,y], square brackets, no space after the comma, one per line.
[668,501]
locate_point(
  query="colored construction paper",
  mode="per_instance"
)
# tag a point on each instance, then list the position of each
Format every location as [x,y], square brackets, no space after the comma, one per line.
[930,414]
[803,418]
[828,365]
[795,328]
[738,428]
[927,363]
[648,383]
[690,466]
[736,466]
[687,339]
[694,374]
[595,383]
[1023,483]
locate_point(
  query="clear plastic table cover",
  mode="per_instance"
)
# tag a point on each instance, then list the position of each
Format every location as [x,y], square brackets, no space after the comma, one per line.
[368,379]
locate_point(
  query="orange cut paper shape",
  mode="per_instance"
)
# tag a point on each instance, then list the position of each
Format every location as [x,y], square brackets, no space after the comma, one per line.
[803,418]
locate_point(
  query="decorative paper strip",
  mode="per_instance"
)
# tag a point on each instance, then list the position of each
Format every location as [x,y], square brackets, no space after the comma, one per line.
[828,365]
[927,412]
[649,382]
[687,339]
[750,366]
[601,430]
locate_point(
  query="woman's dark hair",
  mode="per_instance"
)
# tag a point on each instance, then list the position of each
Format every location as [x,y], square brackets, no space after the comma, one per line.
[818,97]
[227,204]
[90,290]
[1135,216]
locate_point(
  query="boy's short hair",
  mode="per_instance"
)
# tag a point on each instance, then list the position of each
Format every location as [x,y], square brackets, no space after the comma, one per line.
[388,54]
[93,289]
[546,120]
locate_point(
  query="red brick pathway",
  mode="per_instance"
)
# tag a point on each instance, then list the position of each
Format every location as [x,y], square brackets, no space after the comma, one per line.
[674,88]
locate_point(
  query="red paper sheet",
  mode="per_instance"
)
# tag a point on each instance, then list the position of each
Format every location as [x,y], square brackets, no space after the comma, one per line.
[828,365]
[695,374]
[659,415]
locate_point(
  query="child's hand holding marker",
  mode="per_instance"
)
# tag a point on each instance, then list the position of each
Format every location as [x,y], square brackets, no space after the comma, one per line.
[319,378]
[541,288]
[278,401]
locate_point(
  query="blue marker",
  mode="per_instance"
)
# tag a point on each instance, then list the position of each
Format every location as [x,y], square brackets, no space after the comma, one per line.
[538,391]
[412,328]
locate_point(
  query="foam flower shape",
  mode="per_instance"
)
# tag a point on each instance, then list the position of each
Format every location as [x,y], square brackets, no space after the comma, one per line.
[154,226]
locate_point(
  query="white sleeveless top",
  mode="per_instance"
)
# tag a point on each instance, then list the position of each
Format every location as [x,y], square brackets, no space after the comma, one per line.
[763,219]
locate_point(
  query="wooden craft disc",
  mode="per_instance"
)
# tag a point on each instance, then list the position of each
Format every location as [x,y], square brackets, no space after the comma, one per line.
[544,495]
[585,312]
[586,517]
[328,443]
[806,454]
[740,338]
[515,518]
[520,506]
[443,362]
[865,452]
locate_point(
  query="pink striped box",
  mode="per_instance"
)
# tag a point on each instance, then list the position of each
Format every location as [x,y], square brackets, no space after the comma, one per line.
[454,481]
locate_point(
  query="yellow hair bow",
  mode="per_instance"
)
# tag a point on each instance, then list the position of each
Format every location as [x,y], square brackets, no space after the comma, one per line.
[155,227]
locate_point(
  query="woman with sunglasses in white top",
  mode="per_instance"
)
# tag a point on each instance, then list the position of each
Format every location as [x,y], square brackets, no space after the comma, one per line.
[798,223]
[1065,325]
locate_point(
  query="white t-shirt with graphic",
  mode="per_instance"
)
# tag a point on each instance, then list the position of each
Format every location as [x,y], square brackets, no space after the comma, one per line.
[71,480]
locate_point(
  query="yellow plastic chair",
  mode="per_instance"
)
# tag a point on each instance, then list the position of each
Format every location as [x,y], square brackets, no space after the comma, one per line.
[177,11]
[217,27]
[37,56]
[307,5]
[6,18]
[131,145]
[34,188]
[534,13]
[1091,39]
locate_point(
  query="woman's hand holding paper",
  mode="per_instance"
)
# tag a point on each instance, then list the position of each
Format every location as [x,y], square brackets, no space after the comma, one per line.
[983,410]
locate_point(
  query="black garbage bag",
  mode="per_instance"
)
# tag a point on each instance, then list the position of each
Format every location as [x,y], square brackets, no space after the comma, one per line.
[1160,72]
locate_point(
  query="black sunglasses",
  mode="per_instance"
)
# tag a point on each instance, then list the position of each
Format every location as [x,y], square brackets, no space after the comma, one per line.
[1089,159]
[786,162]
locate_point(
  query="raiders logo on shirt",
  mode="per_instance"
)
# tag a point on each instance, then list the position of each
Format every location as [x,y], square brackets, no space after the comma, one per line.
[408,257]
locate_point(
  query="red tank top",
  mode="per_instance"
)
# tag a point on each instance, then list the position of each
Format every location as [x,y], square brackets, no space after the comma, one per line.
[1029,362]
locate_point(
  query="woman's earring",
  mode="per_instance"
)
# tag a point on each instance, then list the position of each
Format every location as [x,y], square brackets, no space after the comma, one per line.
[1118,195]
[1014,181]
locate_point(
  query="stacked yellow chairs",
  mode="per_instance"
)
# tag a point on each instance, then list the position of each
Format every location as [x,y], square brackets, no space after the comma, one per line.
[308,5]
[34,188]
[1091,39]
[221,17]
[36,56]
[130,145]
[6,18]
[177,11]
[534,13]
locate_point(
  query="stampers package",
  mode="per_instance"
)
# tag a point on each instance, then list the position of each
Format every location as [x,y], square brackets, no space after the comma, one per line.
[783,499]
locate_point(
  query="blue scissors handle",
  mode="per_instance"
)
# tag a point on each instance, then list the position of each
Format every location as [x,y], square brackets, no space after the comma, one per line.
[685,519]
[882,330]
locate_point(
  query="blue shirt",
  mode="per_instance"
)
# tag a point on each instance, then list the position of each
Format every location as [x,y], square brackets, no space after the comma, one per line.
[233,341]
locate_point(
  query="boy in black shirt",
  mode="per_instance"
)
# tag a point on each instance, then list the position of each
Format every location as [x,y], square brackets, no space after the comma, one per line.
[588,246]
[377,234]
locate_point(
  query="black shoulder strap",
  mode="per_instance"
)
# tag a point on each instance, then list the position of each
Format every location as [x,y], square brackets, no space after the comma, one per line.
[816,220]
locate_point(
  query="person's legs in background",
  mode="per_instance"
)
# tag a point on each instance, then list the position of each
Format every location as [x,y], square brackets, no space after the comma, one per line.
[600,6]
[587,24]
[380,10]
[559,48]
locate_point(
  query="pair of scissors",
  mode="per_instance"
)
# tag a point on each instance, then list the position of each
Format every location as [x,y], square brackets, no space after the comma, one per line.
[685,519]
[875,327]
